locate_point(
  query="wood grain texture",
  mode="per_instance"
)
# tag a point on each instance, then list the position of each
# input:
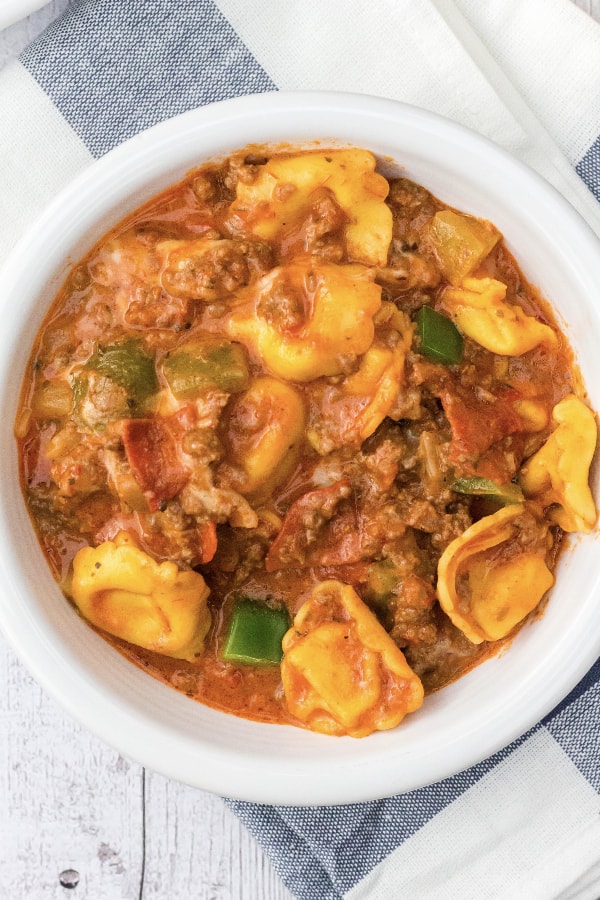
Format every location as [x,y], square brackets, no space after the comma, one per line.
[196,847]
[67,801]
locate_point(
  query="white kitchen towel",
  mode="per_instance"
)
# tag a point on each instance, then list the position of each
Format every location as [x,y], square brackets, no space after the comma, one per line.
[526,73]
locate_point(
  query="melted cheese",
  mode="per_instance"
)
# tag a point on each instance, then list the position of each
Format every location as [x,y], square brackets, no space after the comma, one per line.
[338,304]
[481,312]
[281,196]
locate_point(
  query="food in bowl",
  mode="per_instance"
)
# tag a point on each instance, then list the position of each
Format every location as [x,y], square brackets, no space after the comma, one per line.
[301,441]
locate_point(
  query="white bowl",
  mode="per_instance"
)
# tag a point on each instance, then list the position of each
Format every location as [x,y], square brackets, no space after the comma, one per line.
[153,724]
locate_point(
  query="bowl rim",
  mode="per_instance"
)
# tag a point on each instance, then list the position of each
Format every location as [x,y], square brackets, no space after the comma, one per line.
[164,748]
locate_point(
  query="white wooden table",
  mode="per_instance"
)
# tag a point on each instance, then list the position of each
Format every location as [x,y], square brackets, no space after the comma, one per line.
[72,811]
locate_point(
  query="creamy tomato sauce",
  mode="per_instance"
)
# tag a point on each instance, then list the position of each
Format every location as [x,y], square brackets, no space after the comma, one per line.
[290,436]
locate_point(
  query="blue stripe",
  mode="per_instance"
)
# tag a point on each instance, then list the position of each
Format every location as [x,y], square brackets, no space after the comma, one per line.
[588,168]
[115,67]
[322,852]
[574,724]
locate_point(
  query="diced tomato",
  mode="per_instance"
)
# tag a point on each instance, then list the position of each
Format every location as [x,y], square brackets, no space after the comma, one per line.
[341,543]
[308,514]
[207,533]
[477,421]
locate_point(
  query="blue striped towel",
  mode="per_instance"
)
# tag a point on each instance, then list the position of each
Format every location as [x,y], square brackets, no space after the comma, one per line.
[524,823]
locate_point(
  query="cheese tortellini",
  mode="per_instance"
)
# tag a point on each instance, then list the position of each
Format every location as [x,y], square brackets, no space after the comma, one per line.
[380,374]
[558,473]
[486,594]
[342,673]
[282,193]
[481,312]
[351,411]
[379,377]
[331,319]
[265,432]
[122,590]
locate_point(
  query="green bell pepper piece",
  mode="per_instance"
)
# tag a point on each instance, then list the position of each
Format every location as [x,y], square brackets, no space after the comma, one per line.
[255,634]
[203,364]
[382,578]
[485,487]
[129,366]
[440,339]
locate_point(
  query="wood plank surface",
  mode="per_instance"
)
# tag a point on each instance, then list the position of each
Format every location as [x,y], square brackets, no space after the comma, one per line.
[70,806]
[68,800]
[196,847]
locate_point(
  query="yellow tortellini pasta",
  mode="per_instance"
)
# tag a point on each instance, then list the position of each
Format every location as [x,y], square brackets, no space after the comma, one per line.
[351,411]
[281,195]
[334,309]
[342,673]
[379,377]
[122,590]
[479,309]
[487,594]
[533,413]
[265,432]
[558,473]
